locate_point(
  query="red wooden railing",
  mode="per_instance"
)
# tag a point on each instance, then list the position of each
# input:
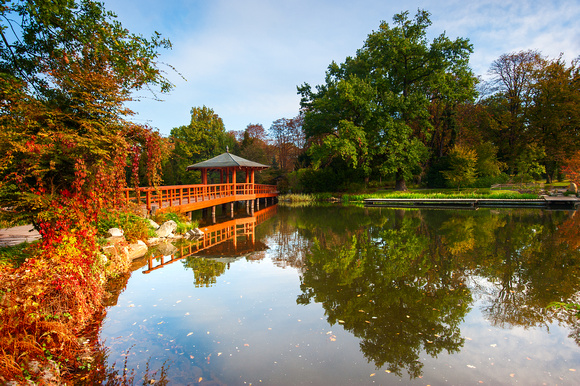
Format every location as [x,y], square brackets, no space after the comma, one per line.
[213,236]
[197,196]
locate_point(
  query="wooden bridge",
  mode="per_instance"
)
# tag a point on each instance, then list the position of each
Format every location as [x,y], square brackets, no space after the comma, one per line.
[188,198]
[216,235]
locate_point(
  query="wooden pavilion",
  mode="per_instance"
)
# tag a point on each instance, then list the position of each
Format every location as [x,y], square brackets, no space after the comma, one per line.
[188,198]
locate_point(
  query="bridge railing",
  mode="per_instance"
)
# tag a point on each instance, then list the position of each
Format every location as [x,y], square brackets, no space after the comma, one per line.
[177,195]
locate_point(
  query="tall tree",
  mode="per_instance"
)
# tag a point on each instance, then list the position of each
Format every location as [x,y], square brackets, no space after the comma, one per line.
[554,114]
[288,141]
[513,76]
[202,139]
[381,111]
[66,68]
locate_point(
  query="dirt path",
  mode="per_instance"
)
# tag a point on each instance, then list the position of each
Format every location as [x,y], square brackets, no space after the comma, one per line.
[17,235]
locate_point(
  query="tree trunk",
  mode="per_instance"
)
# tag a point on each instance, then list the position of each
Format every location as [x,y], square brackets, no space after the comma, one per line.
[400,184]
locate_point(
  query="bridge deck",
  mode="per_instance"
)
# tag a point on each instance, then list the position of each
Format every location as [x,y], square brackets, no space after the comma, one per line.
[187,198]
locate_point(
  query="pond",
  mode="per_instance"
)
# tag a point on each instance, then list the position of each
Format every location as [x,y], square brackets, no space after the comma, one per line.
[333,295]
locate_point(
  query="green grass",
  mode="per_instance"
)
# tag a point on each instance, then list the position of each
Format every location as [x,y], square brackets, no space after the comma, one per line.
[15,255]
[498,194]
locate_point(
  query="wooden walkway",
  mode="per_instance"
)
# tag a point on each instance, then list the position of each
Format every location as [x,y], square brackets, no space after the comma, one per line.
[215,235]
[468,203]
[187,198]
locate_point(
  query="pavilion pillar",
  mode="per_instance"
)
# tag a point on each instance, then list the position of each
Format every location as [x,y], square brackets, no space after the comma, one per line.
[213,214]
[204,176]
[257,204]
[234,179]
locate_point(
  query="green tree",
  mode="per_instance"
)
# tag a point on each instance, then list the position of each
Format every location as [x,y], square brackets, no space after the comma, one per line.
[374,110]
[463,162]
[201,140]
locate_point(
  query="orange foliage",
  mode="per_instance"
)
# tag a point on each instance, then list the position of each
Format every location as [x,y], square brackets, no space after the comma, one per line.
[572,168]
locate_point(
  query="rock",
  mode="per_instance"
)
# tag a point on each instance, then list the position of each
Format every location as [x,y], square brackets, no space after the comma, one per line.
[573,188]
[194,234]
[153,241]
[141,242]
[166,229]
[153,224]
[166,249]
[135,251]
[115,232]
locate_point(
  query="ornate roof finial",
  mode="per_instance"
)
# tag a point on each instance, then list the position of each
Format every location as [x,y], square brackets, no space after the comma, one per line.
[227,149]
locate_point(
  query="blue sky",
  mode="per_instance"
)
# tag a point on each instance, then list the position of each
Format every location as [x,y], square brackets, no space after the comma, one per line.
[244,58]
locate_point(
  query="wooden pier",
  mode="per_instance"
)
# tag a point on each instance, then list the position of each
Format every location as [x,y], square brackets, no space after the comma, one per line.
[545,202]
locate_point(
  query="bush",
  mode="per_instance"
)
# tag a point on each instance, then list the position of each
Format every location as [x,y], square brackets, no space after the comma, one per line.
[134,227]
[183,223]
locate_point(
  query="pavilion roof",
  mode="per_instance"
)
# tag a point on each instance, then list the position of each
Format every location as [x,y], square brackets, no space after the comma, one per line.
[227,160]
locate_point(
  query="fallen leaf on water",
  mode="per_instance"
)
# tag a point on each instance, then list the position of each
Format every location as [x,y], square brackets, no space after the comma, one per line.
[572,369]
[131,305]
[373,374]
[340,321]
[361,310]
[512,375]
[366,321]
[219,353]
[329,332]
[200,379]
[191,356]
[191,333]
[493,345]
[471,367]
[468,338]
[179,301]
[187,313]
[247,345]
[160,322]
[528,358]
[387,371]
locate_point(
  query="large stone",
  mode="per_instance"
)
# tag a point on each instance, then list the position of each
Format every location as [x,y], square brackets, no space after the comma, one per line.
[166,229]
[115,232]
[153,224]
[573,188]
[135,251]
[165,249]
[194,234]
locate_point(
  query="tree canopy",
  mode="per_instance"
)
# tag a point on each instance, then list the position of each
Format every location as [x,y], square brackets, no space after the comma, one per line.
[374,111]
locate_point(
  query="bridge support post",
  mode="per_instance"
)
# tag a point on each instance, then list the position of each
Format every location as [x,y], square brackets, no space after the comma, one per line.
[232,209]
[257,204]
[213,214]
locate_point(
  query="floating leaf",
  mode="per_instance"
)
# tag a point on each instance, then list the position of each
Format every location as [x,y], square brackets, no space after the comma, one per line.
[191,333]
[341,321]
[471,367]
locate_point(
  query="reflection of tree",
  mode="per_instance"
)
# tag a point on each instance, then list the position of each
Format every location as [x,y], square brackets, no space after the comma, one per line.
[387,289]
[205,271]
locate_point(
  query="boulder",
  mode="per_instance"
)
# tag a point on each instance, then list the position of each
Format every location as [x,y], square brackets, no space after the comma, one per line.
[573,188]
[153,224]
[115,232]
[166,249]
[166,229]
[194,234]
[135,251]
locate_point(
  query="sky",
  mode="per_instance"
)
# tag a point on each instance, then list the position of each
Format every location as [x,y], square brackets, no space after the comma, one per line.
[245,58]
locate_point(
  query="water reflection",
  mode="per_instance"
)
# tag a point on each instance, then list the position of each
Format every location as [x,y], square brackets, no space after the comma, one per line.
[226,241]
[405,285]
[402,281]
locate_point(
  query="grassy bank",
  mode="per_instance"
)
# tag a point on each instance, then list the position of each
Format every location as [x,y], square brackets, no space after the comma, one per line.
[411,194]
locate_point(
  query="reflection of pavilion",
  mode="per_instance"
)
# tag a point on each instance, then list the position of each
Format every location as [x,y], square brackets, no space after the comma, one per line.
[231,238]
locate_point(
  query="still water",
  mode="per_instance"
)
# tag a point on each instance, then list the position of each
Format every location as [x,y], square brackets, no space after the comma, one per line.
[348,295]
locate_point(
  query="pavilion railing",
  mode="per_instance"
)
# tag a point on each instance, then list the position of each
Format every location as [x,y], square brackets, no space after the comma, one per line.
[178,195]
